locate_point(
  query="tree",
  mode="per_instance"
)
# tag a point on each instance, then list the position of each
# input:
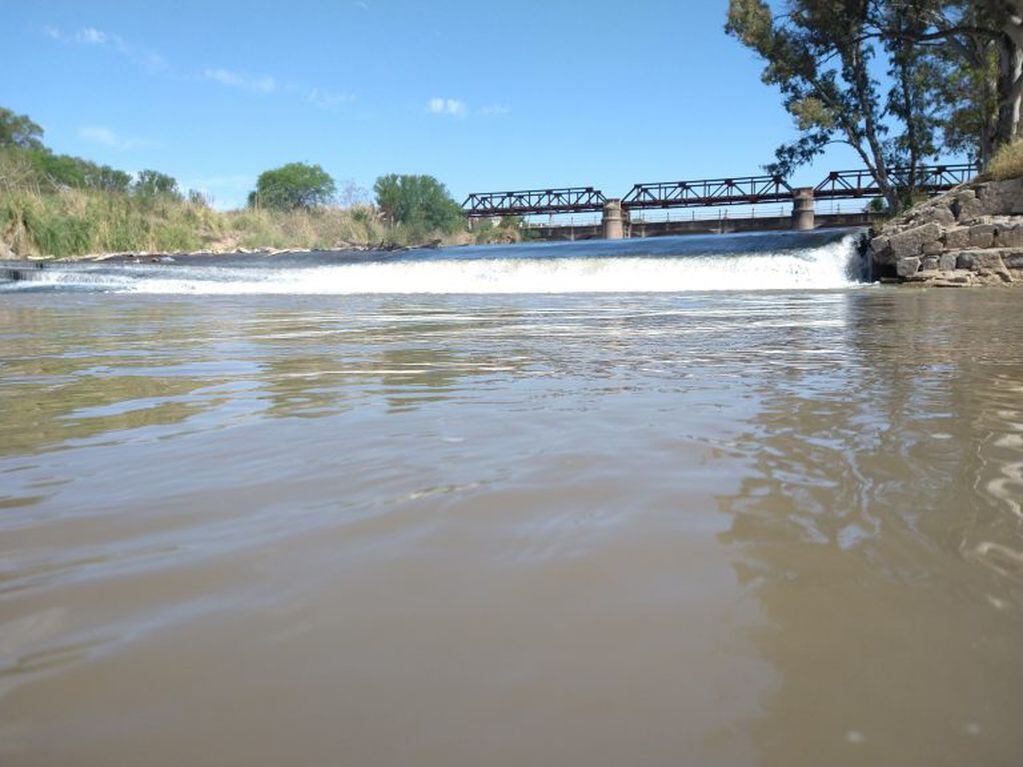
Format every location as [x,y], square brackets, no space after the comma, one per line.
[295,185]
[820,55]
[421,202]
[19,131]
[977,46]
[153,183]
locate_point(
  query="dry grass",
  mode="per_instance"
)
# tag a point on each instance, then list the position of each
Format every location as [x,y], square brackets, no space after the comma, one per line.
[1007,162]
[82,222]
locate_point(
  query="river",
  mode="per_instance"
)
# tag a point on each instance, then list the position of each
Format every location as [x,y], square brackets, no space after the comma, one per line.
[702,500]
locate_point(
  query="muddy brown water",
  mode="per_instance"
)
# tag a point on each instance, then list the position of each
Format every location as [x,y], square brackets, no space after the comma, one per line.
[684,529]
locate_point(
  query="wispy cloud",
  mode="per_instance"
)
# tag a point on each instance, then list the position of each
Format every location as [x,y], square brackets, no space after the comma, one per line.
[97,38]
[233,79]
[324,98]
[494,110]
[91,36]
[98,134]
[450,107]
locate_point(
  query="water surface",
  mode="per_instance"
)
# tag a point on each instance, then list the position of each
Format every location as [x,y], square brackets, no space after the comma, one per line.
[765,527]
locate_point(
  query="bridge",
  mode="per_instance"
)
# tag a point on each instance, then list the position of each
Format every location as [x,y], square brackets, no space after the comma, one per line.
[711,193]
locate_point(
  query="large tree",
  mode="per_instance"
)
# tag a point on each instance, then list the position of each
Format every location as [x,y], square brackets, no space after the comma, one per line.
[295,185]
[820,55]
[977,45]
[953,72]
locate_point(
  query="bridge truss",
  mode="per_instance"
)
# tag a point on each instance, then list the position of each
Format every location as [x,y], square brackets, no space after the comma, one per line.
[711,193]
[523,203]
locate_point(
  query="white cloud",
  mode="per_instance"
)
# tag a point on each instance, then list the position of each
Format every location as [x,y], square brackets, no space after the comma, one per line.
[328,99]
[91,36]
[452,107]
[51,32]
[98,134]
[494,110]
[232,79]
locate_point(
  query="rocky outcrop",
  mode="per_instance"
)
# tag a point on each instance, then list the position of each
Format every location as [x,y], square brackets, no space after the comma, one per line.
[970,236]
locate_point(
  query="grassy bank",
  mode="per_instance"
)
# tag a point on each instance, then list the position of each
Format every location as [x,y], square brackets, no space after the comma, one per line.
[76,222]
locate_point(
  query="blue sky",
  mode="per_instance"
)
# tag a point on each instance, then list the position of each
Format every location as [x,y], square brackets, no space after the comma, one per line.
[485,96]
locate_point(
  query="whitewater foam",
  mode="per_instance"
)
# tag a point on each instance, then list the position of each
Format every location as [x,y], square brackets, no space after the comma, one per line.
[828,266]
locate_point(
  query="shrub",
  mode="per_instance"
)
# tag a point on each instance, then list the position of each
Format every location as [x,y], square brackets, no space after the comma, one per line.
[419,203]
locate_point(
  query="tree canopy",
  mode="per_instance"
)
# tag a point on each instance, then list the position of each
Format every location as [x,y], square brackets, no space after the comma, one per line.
[295,185]
[19,131]
[150,183]
[899,81]
[420,202]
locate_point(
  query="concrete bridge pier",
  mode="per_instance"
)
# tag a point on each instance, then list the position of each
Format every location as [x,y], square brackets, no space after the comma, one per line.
[614,220]
[802,209]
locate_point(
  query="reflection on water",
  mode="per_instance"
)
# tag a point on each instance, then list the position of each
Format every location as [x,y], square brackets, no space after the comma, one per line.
[731,529]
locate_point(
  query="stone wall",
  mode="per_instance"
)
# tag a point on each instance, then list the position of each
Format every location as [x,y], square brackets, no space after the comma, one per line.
[970,236]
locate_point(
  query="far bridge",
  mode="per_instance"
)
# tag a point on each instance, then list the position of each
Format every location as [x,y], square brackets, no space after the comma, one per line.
[712,193]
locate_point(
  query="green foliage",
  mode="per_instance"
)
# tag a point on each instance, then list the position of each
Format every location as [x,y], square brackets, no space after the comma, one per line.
[292,186]
[58,205]
[820,56]
[420,203]
[18,130]
[153,183]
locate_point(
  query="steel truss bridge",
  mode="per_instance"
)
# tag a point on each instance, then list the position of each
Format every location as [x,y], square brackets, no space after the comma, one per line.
[708,193]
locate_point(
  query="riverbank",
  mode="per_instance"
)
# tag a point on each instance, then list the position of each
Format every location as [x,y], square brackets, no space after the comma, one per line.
[972,235]
[92,224]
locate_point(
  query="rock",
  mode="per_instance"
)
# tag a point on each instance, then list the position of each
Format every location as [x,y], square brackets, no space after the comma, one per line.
[981,261]
[937,214]
[1013,259]
[982,235]
[966,207]
[932,248]
[947,262]
[957,238]
[879,244]
[1009,236]
[907,267]
[5,251]
[1001,198]
[911,241]
[929,264]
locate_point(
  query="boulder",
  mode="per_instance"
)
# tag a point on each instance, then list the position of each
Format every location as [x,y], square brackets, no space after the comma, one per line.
[1013,259]
[966,207]
[957,238]
[982,235]
[932,248]
[937,214]
[982,261]
[911,241]
[1009,236]
[947,262]
[1001,198]
[907,267]
[929,264]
